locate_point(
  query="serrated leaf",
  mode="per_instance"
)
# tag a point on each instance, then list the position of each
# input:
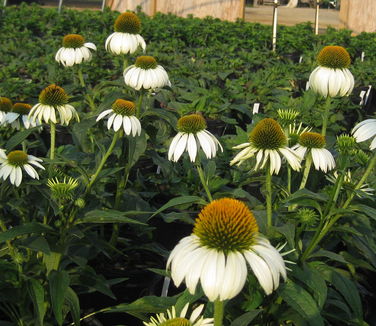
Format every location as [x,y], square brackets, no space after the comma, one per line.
[179,201]
[302,302]
[111,216]
[36,292]
[58,283]
[27,228]
[246,318]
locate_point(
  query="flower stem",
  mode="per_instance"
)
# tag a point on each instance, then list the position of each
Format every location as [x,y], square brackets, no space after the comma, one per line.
[268,185]
[81,77]
[307,168]
[325,116]
[125,62]
[103,161]
[203,181]
[53,138]
[218,312]
[139,104]
[329,222]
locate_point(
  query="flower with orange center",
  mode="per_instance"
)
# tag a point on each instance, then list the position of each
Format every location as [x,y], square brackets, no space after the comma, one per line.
[146,73]
[122,113]
[225,238]
[126,38]
[332,77]
[311,144]
[267,142]
[20,116]
[74,50]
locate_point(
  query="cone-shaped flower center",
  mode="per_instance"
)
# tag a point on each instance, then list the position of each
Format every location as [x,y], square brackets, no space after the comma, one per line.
[176,322]
[312,140]
[334,57]
[226,225]
[345,144]
[192,123]
[146,62]
[127,22]
[53,95]
[62,190]
[268,134]
[17,158]
[5,104]
[123,107]
[73,41]
[21,108]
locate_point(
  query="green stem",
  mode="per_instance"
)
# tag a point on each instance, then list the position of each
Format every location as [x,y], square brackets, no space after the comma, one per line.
[203,181]
[103,161]
[53,138]
[12,250]
[81,76]
[325,116]
[139,104]
[218,312]
[334,197]
[289,179]
[268,185]
[307,168]
[125,62]
[321,232]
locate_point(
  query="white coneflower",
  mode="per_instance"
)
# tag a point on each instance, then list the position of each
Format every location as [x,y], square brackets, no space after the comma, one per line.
[19,116]
[12,163]
[365,130]
[225,238]
[267,142]
[331,77]
[312,144]
[122,113]
[174,319]
[5,107]
[74,50]
[53,98]
[126,38]
[146,74]
[191,136]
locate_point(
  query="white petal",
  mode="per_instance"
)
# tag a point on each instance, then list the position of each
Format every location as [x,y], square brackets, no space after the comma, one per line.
[212,274]
[103,114]
[117,122]
[192,147]
[180,147]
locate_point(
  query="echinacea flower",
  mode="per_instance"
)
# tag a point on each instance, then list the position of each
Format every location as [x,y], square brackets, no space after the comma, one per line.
[146,74]
[12,163]
[122,113]
[267,142]
[19,116]
[126,38]
[174,319]
[331,77]
[225,238]
[74,50]
[365,130]
[312,144]
[191,136]
[62,190]
[53,98]
[5,107]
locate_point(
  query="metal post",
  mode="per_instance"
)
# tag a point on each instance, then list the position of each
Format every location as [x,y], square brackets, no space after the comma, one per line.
[317,17]
[103,5]
[275,23]
[60,5]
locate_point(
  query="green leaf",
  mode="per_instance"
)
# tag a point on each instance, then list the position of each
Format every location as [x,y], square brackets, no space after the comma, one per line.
[59,283]
[51,261]
[18,138]
[302,302]
[74,305]
[146,305]
[137,147]
[36,243]
[111,216]
[329,254]
[27,228]
[369,211]
[179,201]
[36,292]
[246,318]
[288,230]
[314,282]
